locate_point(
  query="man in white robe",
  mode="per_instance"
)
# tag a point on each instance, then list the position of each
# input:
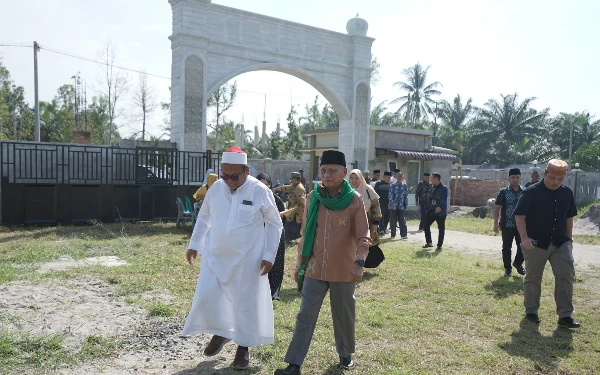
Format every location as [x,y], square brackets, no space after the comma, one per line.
[237,233]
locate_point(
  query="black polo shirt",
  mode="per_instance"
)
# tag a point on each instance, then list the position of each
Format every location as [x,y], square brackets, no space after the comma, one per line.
[546,213]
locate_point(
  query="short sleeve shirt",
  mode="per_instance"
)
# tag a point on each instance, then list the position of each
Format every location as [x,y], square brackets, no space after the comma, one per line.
[508,198]
[546,212]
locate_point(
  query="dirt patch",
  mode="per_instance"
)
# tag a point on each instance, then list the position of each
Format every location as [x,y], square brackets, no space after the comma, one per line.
[157,348]
[79,308]
[589,222]
[75,309]
[66,262]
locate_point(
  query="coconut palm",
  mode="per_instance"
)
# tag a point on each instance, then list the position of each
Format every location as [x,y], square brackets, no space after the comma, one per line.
[509,131]
[418,104]
[585,130]
[455,114]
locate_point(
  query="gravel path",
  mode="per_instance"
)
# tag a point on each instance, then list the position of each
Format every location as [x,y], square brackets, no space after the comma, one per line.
[586,256]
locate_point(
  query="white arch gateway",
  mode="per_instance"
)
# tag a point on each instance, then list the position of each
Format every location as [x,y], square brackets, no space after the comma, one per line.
[212,43]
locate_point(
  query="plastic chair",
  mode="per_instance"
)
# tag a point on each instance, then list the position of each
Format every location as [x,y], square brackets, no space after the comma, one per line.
[184,215]
[188,204]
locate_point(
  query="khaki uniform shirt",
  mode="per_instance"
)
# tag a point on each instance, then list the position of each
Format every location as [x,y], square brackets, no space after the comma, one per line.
[342,237]
[297,199]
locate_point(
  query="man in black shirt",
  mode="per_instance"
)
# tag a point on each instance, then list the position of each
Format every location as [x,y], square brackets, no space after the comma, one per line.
[506,203]
[382,188]
[544,217]
[422,197]
[535,177]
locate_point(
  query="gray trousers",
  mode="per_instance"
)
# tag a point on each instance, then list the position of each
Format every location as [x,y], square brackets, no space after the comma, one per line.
[343,310]
[561,260]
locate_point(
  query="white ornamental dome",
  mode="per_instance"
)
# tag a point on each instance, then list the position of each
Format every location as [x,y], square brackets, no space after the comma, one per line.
[357,27]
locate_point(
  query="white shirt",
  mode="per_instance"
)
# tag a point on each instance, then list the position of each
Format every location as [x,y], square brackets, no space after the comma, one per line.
[234,232]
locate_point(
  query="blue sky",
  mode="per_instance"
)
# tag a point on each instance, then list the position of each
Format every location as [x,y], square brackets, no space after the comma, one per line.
[478,48]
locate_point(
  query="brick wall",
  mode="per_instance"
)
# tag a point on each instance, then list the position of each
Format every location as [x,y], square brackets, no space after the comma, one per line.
[473,193]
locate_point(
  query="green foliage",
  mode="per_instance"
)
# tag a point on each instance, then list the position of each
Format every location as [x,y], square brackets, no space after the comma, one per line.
[222,135]
[417,104]
[275,146]
[585,131]
[329,118]
[294,141]
[16,117]
[588,157]
[380,117]
[221,138]
[507,131]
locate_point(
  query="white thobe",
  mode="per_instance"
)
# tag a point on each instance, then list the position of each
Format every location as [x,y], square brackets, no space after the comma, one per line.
[234,232]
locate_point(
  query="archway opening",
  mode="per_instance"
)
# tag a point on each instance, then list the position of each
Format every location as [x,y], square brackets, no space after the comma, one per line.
[266,111]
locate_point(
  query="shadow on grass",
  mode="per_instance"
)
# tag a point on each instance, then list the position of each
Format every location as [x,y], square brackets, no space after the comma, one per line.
[427,253]
[368,274]
[288,294]
[335,369]
[213,367]
[546,352]
[505,286]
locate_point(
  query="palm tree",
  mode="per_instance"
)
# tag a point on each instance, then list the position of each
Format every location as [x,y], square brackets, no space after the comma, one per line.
[455,114]
[455,118]
[509,131]
[585,130]
[417,104]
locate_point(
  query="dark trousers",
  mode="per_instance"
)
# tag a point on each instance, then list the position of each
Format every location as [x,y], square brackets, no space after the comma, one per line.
[441,222]
[276,273]
[400,217]
[343,313]
[508,234]
[423,207]
[385,219]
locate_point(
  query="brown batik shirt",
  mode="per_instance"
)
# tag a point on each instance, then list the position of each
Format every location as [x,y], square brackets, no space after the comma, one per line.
[342,237]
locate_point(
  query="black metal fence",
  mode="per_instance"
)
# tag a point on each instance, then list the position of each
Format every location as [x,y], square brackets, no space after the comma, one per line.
[49,182]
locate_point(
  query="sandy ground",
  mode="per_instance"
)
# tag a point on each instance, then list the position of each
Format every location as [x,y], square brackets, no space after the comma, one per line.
[586,256]
[589,222]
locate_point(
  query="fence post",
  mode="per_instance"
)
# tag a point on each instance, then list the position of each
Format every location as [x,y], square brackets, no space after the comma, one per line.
[575,185]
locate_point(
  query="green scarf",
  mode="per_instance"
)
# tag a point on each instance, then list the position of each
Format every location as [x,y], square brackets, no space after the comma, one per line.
[340,202]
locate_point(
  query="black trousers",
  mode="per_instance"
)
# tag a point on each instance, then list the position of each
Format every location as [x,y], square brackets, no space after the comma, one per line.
[276,273]
[508,234]
[424,209]
[399,217]
[385,219]
[441,222]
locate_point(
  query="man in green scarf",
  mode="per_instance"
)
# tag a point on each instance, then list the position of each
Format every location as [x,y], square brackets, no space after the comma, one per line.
[331,256]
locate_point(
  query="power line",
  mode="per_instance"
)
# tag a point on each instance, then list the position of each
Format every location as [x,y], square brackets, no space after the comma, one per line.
[54,50]
[16,45]
[99,62]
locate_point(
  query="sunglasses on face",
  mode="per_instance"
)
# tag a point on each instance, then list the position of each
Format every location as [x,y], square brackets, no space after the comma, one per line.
[232,177]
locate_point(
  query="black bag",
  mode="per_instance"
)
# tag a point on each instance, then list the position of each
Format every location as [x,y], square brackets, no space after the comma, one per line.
[375,257]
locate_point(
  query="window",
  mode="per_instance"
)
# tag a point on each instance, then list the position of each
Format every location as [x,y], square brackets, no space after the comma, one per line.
[412,177]
[391,166]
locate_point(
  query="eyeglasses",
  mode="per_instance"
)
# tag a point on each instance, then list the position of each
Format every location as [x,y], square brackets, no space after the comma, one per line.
[232,177]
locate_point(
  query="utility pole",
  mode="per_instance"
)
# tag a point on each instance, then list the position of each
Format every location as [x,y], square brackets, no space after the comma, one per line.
[85,104]
[570,143]
[36,48]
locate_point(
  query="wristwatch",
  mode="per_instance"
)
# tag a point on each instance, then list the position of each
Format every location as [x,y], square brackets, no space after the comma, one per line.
[360,262]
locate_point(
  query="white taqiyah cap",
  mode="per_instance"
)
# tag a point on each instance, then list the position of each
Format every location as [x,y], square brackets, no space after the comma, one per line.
[235,155]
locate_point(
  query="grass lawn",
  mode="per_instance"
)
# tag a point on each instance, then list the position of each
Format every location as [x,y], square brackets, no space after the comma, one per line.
[420,312]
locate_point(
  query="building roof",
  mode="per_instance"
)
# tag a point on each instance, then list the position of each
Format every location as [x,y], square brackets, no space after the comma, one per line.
[373,128]
[422,155]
